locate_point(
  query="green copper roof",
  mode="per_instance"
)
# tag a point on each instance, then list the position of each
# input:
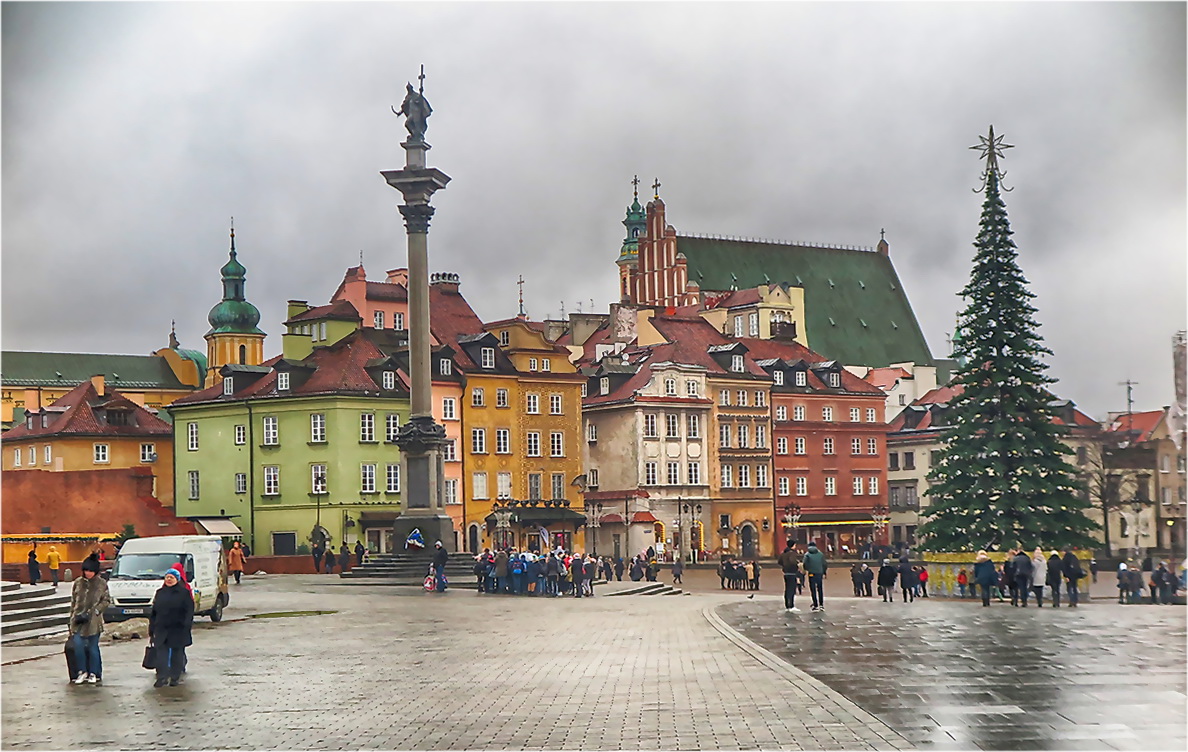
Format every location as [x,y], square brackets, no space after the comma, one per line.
[635,222]
[198,358]
[856,310]
[51,369]
[234,315]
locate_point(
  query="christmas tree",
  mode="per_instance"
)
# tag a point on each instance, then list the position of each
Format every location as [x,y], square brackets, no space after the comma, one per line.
[1002,480]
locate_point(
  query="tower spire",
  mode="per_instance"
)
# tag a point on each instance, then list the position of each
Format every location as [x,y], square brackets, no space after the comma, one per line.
[520,283]
[233,236]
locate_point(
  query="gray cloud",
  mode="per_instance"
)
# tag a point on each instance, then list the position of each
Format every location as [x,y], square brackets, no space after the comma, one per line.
[132,132]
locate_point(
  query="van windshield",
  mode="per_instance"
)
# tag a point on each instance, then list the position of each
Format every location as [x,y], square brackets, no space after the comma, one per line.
[143,566]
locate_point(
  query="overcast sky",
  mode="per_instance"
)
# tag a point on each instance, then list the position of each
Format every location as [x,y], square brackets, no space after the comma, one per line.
[133,132]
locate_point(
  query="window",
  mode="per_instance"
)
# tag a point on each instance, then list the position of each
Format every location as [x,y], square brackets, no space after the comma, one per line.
[366,426]
[229,386]
[546,365]
[1164,463]
[534,480]
[240,483]
[478,484]
[835,380]
[761,476]
[724,521]
[871,415]
[487,355]
[781,445]
[271,480]
[392,478]
[830,486]
[271,431]
[478,441]
[378,317]
[389,380]
[801,445]
[32,455]
[801,379]
[317,428]
[282,381]
[532,364]
[670,387]
[558,485]
[584,389]
[322,328]
[397,320]
[534,443]
[872,485]
[691,389]
[391,427]
[781,412]
[604,385]
[445,366]
[855,414]
[872,446]
[893,461]
[102,454]
[649,473]
[693,426]
[317,479]
[192,436]
[555,404]
[724,435]
[855,446]
[449,451]
[934,457]
[503,486]
[760,399]
[502,441]
[727,476]
[738,326]
[451,491]
[148,453]
[827,414]
[449,408]
[761,437]
[828,445]
[744,476]
[477,398]
[533,404]
[798,412]
[672,426]
[592,477]
[778,378]
[742,397]
[592,432]
[857,486]
[650,426]
[505,338]
[674,473]
[902,399]
[49,453]
[556,444]
[753,324]
[193,476]
[744,436]
[802,486]
[367,478]
[736,363]
[724,397]
[694,473]
[909,460]
[501,399]
[784,487]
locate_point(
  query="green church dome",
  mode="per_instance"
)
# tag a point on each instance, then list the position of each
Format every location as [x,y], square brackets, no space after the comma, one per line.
[234,315]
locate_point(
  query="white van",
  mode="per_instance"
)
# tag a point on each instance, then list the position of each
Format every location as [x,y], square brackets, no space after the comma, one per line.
[140,567]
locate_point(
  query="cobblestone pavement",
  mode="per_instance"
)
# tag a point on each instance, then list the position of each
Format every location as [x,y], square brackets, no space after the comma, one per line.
[951,674]
[397,668]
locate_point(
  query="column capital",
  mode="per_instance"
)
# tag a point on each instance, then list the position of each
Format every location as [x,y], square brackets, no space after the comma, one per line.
[416,217]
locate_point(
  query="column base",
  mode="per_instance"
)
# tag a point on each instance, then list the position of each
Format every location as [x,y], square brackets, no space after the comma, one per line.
[433,527]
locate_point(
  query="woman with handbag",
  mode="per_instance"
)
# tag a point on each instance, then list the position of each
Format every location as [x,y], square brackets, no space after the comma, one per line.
[170,625]
[88,600]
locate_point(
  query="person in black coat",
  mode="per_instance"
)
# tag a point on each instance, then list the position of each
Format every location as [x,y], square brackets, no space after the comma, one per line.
[1023,570]
[1008,576]
[359,553]
[440,557]
[34,568]
[887,581]
[619,567]
[867,578]
[170,625]
[909,579]
[1055,577]
[1072,572]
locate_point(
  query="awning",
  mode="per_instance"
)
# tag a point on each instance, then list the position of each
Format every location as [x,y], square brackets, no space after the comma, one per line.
[644,517]
[611,518]
[634,493]
[377,518]
[218,526]
[542,516]
[830,522]
[57,537]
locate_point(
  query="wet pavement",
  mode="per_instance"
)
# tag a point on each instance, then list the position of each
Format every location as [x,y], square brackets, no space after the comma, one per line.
[953,675]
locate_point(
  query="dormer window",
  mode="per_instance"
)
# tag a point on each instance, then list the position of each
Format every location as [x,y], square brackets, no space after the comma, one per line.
[29,422]
[546,365]
[736,363]
[584,389]
[532,364]
[446,367]
[398,321]
[670,387]
[801,378]
[228,386]
[117,418]
[379,319]
[282,381]
[778,376]
[389,379]
[835,380]
[505,338]
[488,357]
[604,385]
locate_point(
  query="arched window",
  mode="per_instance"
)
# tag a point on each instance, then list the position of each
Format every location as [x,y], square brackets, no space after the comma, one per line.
[243,355]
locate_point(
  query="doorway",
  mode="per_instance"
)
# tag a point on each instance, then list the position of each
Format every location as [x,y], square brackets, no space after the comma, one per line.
[472,539]
[379,540]
[747,541]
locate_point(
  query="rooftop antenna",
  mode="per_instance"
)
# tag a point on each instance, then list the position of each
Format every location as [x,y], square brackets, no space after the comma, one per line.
[1129,406]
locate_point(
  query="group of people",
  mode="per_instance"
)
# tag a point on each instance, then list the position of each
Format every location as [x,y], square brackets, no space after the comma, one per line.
[739,575]
[913,580]
[797,569]
[1024,574]
[554,574]
[325,559]
[171,623]
[53,562]
[1162,582]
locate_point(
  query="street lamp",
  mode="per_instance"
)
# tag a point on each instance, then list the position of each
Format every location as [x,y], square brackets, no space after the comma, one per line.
[881,515]
[791,518]
[503,515]
[316,534]
[1136,505]
[594,521]
[694,512]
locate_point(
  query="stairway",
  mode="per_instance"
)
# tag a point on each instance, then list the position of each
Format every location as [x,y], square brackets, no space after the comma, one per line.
[650,588]
[33,611]
[410,569]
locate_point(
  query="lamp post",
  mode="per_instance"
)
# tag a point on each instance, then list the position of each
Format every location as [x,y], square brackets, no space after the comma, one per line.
[503,515]
[594,521]
[791,519]
[694,512]
[880,514]
[319,491]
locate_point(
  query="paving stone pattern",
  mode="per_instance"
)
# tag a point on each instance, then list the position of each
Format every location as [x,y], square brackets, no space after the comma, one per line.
[954,675]
[397,668]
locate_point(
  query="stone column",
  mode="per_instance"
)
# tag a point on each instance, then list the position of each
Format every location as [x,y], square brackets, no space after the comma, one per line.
[421,438]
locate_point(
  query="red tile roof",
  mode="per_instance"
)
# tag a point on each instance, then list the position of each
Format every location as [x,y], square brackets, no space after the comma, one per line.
[764,349]
[451,317]
[74,413]
[944,395]
[885,378]
[643,517]
[393,292]
[1143,423]
[340,309]
[749,296]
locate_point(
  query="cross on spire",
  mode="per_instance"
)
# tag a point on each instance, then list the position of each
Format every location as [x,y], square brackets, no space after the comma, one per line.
[882,234]
[421,78]
[656,188]
[233,234]
[635,186]
[520,283]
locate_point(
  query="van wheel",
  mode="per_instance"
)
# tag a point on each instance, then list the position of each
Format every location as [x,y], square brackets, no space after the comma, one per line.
[216,613]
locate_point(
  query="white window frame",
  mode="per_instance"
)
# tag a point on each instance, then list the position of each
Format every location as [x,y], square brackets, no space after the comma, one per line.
[670,387]
[504,338]
[271,430]
[501,398]
[727,476]
[827,414]
[532,403]
[692,389]
[392,477]
[377,318]
[830,485]
[672,474]
[872,446]
[784,488]
[799,412]
[398,321]
[650,471]
[449,451]
[872,415]
[777,378]
[100,454]
[317,428]
[650,431]
[446,367]
[855,414]
[753,324]
[391,427]
[556,404]
[736,364]
[228,387]
[738,326]
[532,364]
[858,486]
[389,380]
[693,426]
[502,441]
[742,397]
[478,485]
[241,483]
[801,485]
[282,381]
[744,476]
[195,484]
[781,412]
[532,444]
[145,456]
[801,378]
[316,472]
[556,443]
[192,437]
[451,492]
[16,457]
[672,425]
[367,427]
[49,454]
[449,408]
[272,480]
[724,397]
[591,432]
[872,485]
[604,385]
[827,446]
[367,477]
[761,479]
[592,477]
[694,473]
[855,447]
[503,485]
[760,436]
[835,380]
[801,446]
[744,436]
[487,355]
[546,365]
[478,441]
[724,435]
[781,445]
[478,397]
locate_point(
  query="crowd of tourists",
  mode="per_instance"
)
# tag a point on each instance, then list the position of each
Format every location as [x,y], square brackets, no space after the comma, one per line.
[738,575]
[554,574]
[912,580]
[1161,581]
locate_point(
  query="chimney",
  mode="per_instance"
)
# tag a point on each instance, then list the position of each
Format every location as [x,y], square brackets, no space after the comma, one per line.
[398,276]
[98,382]
[445,281]
[296,308]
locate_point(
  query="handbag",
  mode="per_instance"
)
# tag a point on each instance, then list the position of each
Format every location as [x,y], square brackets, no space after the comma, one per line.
[150,657]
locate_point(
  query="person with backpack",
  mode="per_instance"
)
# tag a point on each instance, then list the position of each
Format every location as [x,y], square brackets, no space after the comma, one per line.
[790,563]
[815,565]
[516,566]
[1055,577]
[1023,571]
[1072,573]
[985,576]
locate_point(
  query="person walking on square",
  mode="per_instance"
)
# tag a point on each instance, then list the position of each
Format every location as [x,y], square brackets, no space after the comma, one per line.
[755,570]
[359,551]
[815,565]
[501,571]
[887,575]
[1008,576]
[985,576]
[1022,575]
[236,560]
[1055,577]
[591,575]
[1166,583]
[790,564]
[331,559]
[1039,576]
[344,557]
[170,624]
[608,570]
[867,580]
[34,567]
[317,552]
[856,579]
[619,567]
[678,568]
[909,580]
[1072,573]
[440,557]
[962,581]
[53,560]
[88,600]
[1123,583]
[923,582]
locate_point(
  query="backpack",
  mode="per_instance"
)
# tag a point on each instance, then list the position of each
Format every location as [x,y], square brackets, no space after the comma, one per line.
[518,567]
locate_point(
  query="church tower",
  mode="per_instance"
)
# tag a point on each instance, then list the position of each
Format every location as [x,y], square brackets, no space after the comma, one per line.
[234,337]
[629,254]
